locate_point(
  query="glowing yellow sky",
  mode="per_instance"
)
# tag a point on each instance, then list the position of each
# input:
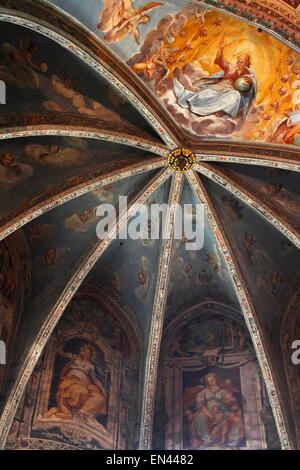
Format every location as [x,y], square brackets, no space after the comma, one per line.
[269,59]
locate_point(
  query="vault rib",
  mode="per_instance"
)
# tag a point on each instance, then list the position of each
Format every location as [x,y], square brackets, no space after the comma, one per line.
[91,50]
[72,28]
[247,308]
[157,317]
[33,124]
[108,173]
[97,63]
[279,222]
[95,53]
[246,156]
[56,312]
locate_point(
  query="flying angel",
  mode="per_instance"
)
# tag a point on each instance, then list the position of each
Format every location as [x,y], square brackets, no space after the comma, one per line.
[119,18]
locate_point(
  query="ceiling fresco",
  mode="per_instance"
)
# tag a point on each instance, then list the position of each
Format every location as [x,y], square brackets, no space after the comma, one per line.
[197,275]
[277,187]
[269,263]
[128,268]
[16,268]
[59,242]
[258,246]
[60,237]
[279,17]
[89,324]
[218,77]
[35,81]
[31,166]
[211,348]
[155,329]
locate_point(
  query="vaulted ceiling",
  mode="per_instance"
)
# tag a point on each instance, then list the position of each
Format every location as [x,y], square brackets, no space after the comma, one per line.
[91,113]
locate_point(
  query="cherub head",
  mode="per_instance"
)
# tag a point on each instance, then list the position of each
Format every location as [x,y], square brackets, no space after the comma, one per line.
[235,410]
[288,112]
[85,215]
[145,19]
[54,148]
[7,159]
[216,408]
[51,255]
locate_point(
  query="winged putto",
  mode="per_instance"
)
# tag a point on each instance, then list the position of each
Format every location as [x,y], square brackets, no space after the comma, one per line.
[119,18]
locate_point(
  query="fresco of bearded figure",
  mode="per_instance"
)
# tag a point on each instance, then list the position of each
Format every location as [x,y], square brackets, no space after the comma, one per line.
[228,92]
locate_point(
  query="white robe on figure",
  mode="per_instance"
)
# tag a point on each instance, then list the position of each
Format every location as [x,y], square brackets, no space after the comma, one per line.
[215,96]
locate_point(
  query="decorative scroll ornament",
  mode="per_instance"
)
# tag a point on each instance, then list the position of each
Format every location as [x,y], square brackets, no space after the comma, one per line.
[181,159]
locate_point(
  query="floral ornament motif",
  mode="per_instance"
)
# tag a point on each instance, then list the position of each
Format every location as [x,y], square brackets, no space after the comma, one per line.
[181,160]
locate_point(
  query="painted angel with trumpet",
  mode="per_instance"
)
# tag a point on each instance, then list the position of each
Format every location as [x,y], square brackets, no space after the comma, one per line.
[119,18]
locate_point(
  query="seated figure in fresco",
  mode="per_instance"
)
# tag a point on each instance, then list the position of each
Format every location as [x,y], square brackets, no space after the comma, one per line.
[228,92]
[80,393]
[216,419]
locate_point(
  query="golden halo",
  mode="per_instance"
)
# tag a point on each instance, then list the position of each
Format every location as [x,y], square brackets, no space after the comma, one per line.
[181,160]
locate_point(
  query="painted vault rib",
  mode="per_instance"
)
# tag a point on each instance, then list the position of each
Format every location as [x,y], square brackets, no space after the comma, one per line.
[93,57]
[290,324]
[248,312]
[69,124]
[106,174]
[159,303]
[88,47]
[184,137]
[56,312]
[266,155]
[279,222]
[249,155]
